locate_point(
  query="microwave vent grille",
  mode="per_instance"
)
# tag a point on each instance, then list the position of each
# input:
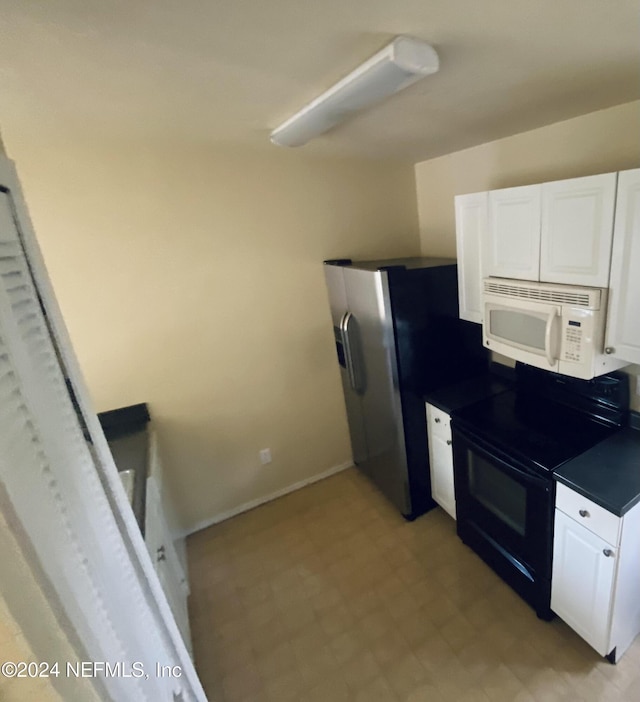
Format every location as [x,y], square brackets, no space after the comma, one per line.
[576,297]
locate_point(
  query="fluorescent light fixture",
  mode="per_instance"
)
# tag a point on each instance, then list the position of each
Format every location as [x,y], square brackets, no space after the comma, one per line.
[401,63]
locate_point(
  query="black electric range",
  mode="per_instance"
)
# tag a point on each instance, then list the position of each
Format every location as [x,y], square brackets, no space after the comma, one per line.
[506,448]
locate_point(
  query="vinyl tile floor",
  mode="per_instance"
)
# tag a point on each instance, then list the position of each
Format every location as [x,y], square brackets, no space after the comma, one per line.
[327,594]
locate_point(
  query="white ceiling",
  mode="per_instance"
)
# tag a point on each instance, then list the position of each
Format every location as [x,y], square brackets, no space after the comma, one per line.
[228,71]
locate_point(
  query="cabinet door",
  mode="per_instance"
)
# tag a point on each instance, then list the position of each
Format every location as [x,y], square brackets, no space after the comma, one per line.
[441,459]
[472,213]
[582,581]
[156,471]
[512,245]
[576,232]
[442,485]
[163,555]
[438,421]
[623,330]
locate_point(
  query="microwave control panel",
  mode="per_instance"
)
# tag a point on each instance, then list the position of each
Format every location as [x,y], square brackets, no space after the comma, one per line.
[577,335]
[572,341]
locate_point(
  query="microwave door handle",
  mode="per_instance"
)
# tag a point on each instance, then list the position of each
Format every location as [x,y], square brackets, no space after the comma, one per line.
[548,330]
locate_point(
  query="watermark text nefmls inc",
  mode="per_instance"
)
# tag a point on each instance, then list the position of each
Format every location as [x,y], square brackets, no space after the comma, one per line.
[86,669]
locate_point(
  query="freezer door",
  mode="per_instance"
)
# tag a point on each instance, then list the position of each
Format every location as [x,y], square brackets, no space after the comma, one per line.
[346,334]
[367,294]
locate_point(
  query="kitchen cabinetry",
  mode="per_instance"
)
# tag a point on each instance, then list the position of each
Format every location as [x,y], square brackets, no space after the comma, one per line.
[558,232]
[166,550]
[511,247]
[623,330]
[576,230]
[582,584]
[441,459]
[595,579]
[471,225]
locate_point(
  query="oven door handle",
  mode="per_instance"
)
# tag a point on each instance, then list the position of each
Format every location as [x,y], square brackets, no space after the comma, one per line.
[496,456]
[548,333]
[526,476]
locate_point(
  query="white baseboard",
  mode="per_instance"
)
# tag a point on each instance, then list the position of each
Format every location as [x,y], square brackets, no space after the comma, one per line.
[267,498]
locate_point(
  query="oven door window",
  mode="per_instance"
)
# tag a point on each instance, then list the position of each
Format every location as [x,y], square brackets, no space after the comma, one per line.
[505,498]
[504,505]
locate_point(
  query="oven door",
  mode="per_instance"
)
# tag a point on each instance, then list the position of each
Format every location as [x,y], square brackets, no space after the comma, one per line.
[505,514]
[523,330]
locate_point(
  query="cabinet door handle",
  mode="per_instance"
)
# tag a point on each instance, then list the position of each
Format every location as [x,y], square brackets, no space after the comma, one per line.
[607,552]
[584,513]
[448,442]
[160,554]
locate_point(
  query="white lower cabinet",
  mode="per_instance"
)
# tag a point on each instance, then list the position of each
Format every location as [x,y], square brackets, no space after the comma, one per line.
[596,573]
[441,459]
[582,585]
[167,550]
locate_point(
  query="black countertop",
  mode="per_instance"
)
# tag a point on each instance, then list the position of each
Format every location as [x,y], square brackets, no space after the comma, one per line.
[467,392]
[124,420]
[125,429]
[609,473]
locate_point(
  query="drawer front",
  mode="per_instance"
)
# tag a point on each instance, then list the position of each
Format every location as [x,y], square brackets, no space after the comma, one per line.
[588,514]
[439,422]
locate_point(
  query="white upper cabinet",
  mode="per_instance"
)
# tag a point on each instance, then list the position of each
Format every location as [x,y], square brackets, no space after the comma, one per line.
[557,232]
[623,329]
[471,230]
[511,247]
[576,230]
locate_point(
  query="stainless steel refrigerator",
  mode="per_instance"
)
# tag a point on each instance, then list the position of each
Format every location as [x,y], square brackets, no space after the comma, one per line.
[398,336]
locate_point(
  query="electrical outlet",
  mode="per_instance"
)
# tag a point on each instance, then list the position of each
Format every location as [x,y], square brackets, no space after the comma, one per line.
[265,456]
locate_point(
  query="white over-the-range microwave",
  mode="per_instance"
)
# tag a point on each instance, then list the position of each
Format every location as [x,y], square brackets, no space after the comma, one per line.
[558,328]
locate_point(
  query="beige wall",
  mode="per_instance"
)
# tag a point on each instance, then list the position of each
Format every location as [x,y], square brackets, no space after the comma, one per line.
[608,140]
[191,278]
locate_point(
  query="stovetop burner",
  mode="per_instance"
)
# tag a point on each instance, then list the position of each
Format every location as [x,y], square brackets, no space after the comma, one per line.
[548,419]
[539,433]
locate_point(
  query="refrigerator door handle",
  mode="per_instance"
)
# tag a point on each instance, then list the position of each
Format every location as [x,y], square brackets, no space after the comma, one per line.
[348,326]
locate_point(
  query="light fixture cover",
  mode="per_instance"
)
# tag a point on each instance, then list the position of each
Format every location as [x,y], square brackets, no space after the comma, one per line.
[401,63]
